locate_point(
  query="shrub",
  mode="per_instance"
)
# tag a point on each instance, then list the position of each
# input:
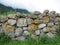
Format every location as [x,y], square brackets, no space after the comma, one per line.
[4,39]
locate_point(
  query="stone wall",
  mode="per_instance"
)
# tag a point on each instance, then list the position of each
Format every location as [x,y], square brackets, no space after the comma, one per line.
[20,26]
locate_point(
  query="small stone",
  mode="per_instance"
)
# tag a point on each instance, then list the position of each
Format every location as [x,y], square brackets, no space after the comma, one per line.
[52,14]
[57,19]
[25,28]
[13,16]
[29,20]
[56,23]
[10,33]
[11,21]
[36,21]
[21,38]
[3,18]
[1,31]
[45,30]
[37,32]
[57,14]
[40,16]
[41,25]
[18,31]
[18,14]
[33,36]
[36,13]
[50,24]
[32,27]
[24,15]
[46,19]
[50,35]
[26,33]
[29,15]
[21,22]
[0,24]
[46,12]
[53,28]
[33,16]
[52,19]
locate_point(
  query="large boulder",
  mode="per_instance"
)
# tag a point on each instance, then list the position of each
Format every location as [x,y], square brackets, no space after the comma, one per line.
[21,22]
[11,21]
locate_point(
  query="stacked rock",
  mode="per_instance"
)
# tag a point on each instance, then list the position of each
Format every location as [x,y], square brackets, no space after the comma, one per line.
[20,26]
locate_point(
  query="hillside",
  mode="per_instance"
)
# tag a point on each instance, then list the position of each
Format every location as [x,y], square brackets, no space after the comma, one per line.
[4,9]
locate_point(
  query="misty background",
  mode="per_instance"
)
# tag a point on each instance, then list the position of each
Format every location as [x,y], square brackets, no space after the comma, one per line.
[33,5]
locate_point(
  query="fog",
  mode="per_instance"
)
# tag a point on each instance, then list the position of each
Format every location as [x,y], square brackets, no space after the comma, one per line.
[32,5]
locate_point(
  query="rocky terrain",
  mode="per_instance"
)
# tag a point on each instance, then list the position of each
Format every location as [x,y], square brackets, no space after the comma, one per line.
[19,26]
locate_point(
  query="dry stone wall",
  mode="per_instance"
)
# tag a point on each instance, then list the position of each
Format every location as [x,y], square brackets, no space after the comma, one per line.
[20,26]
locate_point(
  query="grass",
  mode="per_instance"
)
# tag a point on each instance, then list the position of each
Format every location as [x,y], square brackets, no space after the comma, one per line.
[32,42]
[5,40]
[6,13]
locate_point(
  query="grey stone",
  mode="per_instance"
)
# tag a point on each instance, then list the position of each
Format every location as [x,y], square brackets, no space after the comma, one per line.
[21,38]
[3,18]
[40,16]
[50,35]
[50,24]
[18,14]
[18,31]
[25,28]
[44,30]
[29,20]
[1,31]
[41,25]
[13,16]
[36,13]
[37,32]
[46,11]
[10,33]
[26,33]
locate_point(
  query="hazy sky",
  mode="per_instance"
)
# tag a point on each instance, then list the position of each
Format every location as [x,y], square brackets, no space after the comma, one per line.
[33,5]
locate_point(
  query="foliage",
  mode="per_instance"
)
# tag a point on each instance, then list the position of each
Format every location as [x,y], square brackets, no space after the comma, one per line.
[4,39]
[5,9]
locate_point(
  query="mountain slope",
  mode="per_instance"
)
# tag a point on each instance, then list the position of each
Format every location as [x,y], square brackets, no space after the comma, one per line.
[4,9]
